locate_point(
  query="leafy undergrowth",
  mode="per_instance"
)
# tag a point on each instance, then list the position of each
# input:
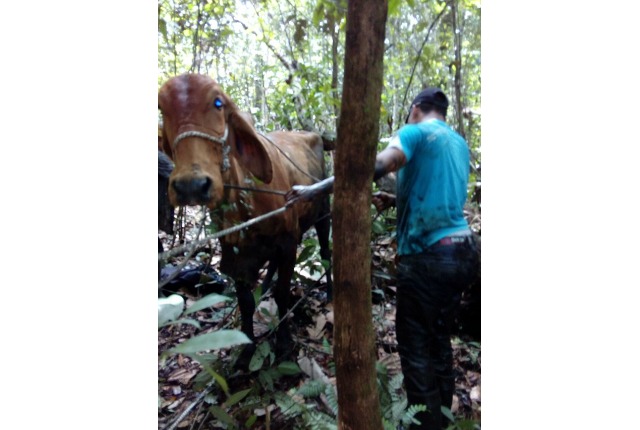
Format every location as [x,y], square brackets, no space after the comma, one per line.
[205,391]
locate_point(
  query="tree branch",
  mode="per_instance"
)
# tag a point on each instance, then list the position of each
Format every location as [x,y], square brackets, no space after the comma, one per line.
[413,69]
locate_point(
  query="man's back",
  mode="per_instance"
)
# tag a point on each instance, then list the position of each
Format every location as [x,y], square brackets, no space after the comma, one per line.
[432,185]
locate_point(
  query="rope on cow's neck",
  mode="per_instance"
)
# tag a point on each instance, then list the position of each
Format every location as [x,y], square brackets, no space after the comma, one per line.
[259,190]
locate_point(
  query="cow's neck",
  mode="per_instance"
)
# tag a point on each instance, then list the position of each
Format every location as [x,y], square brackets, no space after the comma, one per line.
[237,205]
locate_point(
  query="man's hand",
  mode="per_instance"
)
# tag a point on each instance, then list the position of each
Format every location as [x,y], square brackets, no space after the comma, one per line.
[382,200]
[300,193]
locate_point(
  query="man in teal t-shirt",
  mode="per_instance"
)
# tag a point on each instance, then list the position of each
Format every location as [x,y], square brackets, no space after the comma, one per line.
[437,254]
[432,184]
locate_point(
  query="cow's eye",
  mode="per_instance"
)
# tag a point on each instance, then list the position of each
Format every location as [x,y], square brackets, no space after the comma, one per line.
[218,103]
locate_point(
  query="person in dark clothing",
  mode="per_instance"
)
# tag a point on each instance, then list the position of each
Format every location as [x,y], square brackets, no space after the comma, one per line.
[437,253]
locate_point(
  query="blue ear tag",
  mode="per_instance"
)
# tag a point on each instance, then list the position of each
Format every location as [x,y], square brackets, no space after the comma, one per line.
[218,103]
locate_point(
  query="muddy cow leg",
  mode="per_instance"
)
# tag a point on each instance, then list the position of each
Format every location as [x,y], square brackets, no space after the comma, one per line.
[323,228]
[243,269]
[247,307]
[271,270]
[287,260]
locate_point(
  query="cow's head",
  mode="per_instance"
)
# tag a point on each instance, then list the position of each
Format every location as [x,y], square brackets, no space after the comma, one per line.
[205,133]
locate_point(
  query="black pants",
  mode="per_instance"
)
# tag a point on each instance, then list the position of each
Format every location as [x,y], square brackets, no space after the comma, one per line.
[430,286]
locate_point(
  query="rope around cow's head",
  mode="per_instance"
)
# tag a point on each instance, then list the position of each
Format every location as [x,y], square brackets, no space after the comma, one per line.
[221,140]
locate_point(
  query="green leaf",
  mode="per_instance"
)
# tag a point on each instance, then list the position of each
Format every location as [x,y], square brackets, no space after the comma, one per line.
[306,253]
[447,413]
[215,340]
[204,362]
[262,351]
[289,368]
[169,308]
[326,346]
[439,7]
[318,15]
[219,379]
[222,415]
[162,27]
[257,294]
[266,379]
[251,421]
[235,398]
[394,7]
[377,227]
[205,302]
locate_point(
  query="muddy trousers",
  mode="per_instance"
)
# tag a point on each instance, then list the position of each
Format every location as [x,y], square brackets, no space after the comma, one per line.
[430,287]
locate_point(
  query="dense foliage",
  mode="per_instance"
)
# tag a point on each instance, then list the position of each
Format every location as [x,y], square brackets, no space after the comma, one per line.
[283,60]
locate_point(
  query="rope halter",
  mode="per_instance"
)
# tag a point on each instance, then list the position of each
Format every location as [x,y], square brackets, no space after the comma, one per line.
[221,140]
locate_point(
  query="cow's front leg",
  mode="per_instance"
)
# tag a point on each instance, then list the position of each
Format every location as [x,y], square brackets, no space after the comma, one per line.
[284,343]
[247,307]
[243,269]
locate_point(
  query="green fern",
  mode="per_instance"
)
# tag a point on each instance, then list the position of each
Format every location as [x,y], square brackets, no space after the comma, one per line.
[398,409]
[388,425]
[315,420]
[396,382]
[332,398]
[288,406]
[306,415]
[411,411]
[312,389]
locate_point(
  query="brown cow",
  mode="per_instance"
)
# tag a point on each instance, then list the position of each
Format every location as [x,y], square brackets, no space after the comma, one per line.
[213,144]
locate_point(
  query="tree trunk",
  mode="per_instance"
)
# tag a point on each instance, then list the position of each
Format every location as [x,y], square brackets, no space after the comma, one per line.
[334,24]
[354,336]
[457,43]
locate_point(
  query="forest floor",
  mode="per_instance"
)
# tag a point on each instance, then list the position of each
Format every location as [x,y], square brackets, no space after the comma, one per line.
[189,399]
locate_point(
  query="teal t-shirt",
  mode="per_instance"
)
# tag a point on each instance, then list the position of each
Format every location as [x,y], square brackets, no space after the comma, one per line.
[432,185]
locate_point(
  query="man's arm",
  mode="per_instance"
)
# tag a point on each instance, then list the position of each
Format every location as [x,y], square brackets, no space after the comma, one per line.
[389,160]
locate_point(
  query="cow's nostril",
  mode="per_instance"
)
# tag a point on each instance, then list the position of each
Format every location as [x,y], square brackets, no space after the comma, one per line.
[192,191]
[205,186]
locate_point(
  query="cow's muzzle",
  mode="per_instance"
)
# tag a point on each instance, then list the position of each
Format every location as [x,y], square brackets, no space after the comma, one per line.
[192,191]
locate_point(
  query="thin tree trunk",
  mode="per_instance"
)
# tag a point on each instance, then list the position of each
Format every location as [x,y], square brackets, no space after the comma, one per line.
[335,39]
[175,43]
[354,336]
[195,66]
[457,77]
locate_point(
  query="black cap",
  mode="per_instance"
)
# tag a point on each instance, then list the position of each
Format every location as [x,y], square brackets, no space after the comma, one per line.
[432,96]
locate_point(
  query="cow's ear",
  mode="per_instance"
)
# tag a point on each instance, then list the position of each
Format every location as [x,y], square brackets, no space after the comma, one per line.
[250,147]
